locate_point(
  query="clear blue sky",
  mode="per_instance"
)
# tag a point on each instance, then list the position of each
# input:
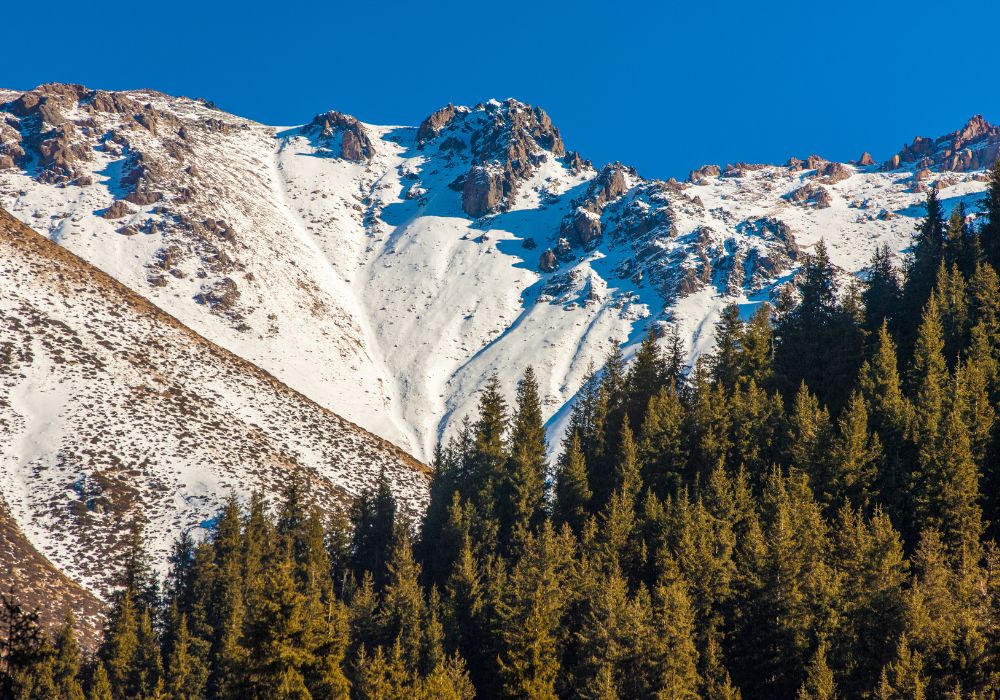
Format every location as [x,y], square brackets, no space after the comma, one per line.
[659,85]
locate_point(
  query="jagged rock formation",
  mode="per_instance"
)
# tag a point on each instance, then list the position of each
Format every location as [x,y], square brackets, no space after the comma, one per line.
[387,277]
[342,135]
[972,147]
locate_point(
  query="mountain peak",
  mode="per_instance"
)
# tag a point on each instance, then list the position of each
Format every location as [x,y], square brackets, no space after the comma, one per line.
[975,145]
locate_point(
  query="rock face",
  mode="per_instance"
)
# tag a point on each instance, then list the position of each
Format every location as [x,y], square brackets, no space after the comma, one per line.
[548,261]
[483,190]
[506,142]
[117,210]
[811,195]
[976,145]
[431,126]
[583,225]
[866,159]
[342,135]
[703,173]
[832,173]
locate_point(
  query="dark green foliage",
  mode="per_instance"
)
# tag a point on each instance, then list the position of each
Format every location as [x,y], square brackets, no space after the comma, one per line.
[805,515]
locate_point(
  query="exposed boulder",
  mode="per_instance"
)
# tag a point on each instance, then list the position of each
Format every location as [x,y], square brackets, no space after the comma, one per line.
[343,135]
[435,123]
[701,174]
[117,210]
[583,226]
[866,159]
[548,261]
[832,173]
[483,190]
[814,162]
[811,195]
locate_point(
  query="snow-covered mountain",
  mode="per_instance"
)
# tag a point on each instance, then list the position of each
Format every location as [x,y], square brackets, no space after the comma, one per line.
[385,272]
[112,412]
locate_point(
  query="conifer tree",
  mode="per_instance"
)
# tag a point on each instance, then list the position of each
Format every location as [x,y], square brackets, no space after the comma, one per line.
[100,684]
[530,616]
[676,657]
[66,661]
[572,491]
[523,491]
[726,362]
[819,683]
[757,356]
[989,232]
[645,375]
[923,266]
[855,458]
[882,291]
[489,452]
[662,451]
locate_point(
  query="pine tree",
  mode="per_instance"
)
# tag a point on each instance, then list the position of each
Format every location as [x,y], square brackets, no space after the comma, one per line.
[645,375]
[277,631]
[402,609]
[100,684]
[855,458]
[181,681]
[903,679]
[530,616]
[819,683]
[928,376]
[882,292]
[726,362]
[572,492]
[66,661]
[373,516]
[676,657]
[662,451]
[923,266]
[989,232]
[950,293]
[758,347]
[869,556]
[489,453]
[523,492]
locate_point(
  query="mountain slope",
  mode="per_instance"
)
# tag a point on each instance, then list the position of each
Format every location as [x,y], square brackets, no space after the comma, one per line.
[385,272]
[115,412]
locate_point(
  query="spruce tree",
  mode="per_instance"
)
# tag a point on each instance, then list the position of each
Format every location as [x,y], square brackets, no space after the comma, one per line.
[819,683]
[662,451]
[989,232]
[523,491]
[572,491]
[882,290]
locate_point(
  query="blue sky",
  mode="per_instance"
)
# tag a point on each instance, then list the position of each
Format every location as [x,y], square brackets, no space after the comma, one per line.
[659,85]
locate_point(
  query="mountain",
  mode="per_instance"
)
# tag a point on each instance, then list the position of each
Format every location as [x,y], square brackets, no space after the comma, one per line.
[386,271]
[114,412]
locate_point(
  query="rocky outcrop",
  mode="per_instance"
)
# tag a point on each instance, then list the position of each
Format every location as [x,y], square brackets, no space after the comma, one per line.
[548,261]
[483,190]
[117,210]
[342,135]
[433,125]
[703,173]
[810,195]
[832,173]
[508,141]
[583,225]
[866,159]
[976,145]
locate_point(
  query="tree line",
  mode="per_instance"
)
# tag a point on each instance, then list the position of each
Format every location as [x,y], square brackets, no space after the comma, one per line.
[810,513]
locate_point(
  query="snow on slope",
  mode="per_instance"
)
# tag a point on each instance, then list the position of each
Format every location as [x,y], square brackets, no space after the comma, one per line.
[343,258]
[114,411]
